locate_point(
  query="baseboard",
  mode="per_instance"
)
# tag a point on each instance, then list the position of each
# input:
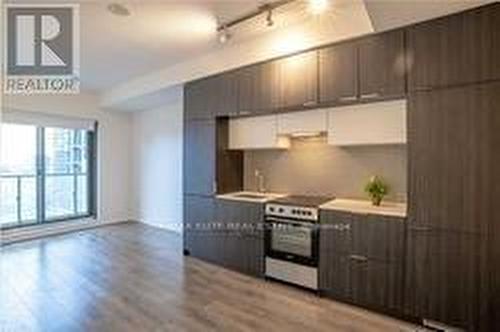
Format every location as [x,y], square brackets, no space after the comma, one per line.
[11,236]
[168,227]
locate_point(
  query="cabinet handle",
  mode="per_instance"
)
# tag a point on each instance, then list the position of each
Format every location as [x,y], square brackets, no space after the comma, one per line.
[244,113]
[350,98]
[309,103]
[370,95]
[420,228]
[358,258]
[214,187]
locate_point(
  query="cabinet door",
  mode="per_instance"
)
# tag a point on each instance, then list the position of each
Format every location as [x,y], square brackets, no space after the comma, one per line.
[334,275]
[335,232]
[244,242]
[376,284]
[223,97]
[299,81]
[378,237]
[198,217]
[338,73]
[447,278]
[362,281]
[457,49]
[453,157]
[244,217]
[255,255]
[196,95]
[259,88]
[199,157]
[382,67]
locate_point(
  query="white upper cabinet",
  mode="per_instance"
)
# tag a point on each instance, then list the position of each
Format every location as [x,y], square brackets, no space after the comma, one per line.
[308,122]
[368,124]
[259,132]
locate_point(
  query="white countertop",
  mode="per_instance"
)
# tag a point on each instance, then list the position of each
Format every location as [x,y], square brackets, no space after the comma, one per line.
[366,207]
[264,197]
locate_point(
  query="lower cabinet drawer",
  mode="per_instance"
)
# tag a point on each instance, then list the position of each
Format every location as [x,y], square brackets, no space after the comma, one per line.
[362,281]
[243,253]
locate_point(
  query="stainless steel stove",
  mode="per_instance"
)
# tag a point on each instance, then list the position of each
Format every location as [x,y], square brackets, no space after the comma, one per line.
[292,239]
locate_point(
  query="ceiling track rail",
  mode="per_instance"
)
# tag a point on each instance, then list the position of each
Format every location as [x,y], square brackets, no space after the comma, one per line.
[265,8]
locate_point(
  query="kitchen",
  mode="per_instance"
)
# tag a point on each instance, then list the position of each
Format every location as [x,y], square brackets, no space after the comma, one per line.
[276,165]
[276,155]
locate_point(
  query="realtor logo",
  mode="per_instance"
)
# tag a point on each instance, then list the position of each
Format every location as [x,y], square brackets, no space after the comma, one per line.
[42,49]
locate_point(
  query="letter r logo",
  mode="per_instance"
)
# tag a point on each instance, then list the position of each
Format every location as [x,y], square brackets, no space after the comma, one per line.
[39,41]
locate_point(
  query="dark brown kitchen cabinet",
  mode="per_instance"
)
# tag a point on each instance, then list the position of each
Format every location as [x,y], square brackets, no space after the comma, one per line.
[223,99]
[382,70]
[243,244]
[199,157]
[298,81]
[362,281]
[259,88]
[361,259]
[196,94]
[223,94]
[447,278]
[373,236]
[198,233]
[453,155]
[209,167]
[212,96]
[457,49]
[453,193]
[284,84]
[335,234]
[338,73]
[243,253]
[378,237]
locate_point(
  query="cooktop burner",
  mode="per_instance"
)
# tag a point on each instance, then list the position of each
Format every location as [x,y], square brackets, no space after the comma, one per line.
[302,200]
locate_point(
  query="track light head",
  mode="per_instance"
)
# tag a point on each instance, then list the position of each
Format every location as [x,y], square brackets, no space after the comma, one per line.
[269,18]
[224,35]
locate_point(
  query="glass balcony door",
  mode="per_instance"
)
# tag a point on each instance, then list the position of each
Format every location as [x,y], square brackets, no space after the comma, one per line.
[66,173]
[45,174]
[18,175]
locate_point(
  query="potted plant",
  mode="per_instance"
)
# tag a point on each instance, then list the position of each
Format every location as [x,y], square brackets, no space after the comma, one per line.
[376,188]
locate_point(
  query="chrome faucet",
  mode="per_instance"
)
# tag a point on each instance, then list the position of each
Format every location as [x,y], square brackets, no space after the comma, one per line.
[260,181]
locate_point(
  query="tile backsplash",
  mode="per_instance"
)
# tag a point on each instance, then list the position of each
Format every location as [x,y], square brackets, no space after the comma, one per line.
[312,167]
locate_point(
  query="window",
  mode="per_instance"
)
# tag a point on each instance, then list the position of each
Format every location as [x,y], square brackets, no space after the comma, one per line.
[46,174]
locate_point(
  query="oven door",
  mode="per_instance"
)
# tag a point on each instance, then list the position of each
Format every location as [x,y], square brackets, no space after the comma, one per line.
[292,240]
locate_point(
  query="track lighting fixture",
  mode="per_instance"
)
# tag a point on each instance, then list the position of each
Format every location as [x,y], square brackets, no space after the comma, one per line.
[314,6]
[269,18]
[224,35]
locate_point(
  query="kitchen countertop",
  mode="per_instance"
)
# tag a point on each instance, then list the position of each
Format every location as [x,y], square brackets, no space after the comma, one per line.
[240,196]
[393,209]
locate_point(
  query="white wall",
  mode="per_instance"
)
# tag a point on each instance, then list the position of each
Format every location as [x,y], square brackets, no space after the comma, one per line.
[113,145]
[157,165]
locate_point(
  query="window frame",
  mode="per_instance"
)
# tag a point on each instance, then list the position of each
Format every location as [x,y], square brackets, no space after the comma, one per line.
[40,179]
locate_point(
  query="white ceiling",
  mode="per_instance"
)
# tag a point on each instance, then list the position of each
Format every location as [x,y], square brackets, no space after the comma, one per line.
[159,34]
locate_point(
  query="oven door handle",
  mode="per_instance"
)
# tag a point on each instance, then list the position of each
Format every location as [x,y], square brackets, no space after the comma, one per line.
[289,221]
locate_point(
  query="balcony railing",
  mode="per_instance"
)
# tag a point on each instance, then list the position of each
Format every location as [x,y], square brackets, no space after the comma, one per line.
[65,197]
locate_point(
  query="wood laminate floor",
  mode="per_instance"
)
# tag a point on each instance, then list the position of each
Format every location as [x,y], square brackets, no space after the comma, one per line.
[132,277]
